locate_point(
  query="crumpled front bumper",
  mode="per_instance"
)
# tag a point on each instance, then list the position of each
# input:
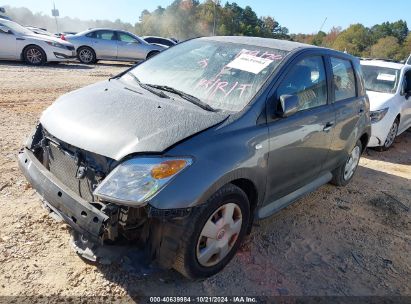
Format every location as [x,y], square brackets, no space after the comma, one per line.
[78,213]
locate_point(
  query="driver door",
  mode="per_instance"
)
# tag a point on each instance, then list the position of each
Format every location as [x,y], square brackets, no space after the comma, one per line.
[130,47]
[299,144]
[8,43]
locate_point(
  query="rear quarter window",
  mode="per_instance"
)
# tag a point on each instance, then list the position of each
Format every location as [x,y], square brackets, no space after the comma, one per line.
[343,79]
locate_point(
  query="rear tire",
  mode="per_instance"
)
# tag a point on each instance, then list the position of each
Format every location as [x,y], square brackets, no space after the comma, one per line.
[344,173]
[86,55]
[34,55]
[215,233]
[392,134]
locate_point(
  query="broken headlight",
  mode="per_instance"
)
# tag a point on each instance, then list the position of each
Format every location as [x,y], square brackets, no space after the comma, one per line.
[136,180]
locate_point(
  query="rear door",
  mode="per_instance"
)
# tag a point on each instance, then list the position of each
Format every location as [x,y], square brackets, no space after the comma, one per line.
[105,44]
[129,47]
[349,106]
[8,43]
[299,144]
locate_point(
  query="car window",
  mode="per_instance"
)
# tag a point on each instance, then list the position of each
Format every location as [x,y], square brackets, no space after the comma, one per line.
[307,80]
[343,79]
[91,35]
[105,35]
[126,37]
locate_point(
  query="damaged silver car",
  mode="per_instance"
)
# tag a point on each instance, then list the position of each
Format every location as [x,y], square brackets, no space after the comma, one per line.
[182,152]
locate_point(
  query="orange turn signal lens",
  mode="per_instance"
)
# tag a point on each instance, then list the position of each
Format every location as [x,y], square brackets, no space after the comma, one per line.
[167,168]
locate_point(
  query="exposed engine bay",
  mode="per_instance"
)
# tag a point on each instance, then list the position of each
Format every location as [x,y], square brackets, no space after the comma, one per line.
[81,172]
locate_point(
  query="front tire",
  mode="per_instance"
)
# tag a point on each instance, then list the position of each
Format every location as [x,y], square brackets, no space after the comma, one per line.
[392,134]
[344,173]
[215,234]
[34,55]
[86,55]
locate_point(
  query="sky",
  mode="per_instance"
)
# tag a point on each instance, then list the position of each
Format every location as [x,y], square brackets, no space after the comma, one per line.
[299,16]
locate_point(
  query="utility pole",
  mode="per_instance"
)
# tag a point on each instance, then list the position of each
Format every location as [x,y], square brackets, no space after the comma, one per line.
[55,13]
[216,2]
[322,25]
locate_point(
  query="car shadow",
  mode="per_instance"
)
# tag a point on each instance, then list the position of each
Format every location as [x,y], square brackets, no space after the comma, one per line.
[52,65]
[399,153]
[115,64]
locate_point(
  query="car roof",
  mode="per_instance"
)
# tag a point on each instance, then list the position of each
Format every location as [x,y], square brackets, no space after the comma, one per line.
[382,63]
[284,45]
[106,29]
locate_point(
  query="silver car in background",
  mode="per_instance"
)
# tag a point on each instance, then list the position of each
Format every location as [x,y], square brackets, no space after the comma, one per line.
[19,43]
[109,44]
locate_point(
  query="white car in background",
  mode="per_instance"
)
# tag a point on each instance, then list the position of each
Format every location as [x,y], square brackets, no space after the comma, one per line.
[19,43]
[388,86]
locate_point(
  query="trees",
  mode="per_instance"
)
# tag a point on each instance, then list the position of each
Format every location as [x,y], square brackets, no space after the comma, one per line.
[189,18]
[386,48]
[356,40]
[396,29]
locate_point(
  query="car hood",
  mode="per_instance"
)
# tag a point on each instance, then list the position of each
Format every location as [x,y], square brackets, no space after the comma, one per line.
[113,120]
[379,100]
[35,36]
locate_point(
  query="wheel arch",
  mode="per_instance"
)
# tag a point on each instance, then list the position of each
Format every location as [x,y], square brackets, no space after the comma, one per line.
[364,140]
[251,191]
[32,44]
[152,52]
[398,117]
[87,46]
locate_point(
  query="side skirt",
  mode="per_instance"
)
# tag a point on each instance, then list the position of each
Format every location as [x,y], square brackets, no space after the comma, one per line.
[287,200]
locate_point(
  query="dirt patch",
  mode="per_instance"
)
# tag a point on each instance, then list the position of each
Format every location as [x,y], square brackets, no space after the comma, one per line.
[336,241]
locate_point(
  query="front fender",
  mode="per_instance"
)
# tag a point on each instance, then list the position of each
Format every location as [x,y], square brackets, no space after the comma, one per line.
[218,160]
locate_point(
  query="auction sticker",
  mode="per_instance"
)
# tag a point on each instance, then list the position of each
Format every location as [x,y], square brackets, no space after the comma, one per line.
[249,63]
[386,77]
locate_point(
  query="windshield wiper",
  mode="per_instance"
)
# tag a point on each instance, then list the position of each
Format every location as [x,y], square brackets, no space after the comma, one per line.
[148,87]
[184,95]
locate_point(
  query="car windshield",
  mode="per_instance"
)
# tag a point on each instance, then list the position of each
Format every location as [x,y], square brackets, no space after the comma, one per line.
[225,76]
[380,79]
[17,28]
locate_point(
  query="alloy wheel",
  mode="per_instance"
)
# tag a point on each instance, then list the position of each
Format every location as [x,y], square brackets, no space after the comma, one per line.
[391,135]
[34,56]
[86,55]
[352,163]
[219,235]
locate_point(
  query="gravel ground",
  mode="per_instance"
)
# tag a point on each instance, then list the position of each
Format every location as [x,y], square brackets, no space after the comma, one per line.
[336,241]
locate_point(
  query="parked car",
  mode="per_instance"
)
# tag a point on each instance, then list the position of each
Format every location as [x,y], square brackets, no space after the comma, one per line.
[163,42]
[184,151]
[39,31]
[107,44]
[3,14]
[19,43]
[388,86]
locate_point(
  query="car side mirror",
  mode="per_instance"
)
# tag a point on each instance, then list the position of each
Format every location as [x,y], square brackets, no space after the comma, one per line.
[287,105]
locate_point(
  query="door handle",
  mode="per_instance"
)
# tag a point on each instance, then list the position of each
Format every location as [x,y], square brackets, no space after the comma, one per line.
[328,126]
[361,111]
